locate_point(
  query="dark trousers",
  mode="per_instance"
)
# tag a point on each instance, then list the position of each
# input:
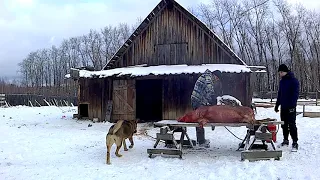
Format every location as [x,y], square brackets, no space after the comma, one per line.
[289,126]
[199,131]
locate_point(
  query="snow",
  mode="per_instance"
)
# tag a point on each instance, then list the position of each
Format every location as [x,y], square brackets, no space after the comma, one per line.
[46,143]
[164,70]
[225,97]
[67,76]
[260,71]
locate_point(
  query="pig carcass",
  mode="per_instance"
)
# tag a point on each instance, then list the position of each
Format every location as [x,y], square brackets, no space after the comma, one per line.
[220,114]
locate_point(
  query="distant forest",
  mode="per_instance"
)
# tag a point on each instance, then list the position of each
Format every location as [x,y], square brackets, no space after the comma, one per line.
[261,32]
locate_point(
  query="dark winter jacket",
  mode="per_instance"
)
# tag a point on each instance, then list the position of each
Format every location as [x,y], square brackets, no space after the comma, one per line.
[288,93]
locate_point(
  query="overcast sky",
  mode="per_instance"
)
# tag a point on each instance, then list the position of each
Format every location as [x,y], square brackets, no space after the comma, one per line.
[28,25]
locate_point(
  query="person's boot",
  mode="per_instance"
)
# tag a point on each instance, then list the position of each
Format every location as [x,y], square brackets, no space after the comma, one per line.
[295,146]
[285,143]
[205,144]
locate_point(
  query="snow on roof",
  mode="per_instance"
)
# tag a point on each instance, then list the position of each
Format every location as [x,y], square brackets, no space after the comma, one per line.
[260,71]
[141,70]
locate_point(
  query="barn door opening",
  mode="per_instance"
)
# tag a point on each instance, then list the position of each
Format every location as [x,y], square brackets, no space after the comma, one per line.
[149,100]
[84,110]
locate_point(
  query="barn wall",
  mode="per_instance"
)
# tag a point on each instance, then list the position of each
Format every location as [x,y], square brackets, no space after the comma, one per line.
[238,85]
[94,92]
[177,91]
[176,95]
[173,38]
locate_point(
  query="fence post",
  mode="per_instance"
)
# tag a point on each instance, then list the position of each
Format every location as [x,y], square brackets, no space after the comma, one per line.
[316,98]
[271,95]
[303,110]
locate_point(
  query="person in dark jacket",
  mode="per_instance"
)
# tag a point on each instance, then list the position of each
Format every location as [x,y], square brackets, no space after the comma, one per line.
[288,95]
[206,90]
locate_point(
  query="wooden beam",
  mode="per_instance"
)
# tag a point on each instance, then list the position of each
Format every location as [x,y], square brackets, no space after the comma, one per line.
[165,151]
[311,114]
[254,155]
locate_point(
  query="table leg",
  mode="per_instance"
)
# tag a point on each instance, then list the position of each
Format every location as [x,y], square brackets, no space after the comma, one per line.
[156,144]
[247,141]
[243,141]
[273,146]
[190,141]
[182,137]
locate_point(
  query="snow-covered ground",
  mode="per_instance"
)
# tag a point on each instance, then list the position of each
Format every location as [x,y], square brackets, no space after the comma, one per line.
[46,143]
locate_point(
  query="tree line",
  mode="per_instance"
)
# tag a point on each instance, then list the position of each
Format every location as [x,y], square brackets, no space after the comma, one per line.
[43,71]
[269,33]
[261,32]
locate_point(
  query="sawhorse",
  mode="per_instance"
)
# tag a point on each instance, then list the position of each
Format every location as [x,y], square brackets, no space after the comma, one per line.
[167,134]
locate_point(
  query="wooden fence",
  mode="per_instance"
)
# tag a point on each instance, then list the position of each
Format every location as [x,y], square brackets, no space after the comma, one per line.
[36,100]
[272,95]
[2,100]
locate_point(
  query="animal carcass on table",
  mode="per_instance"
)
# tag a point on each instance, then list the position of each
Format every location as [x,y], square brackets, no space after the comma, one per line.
[220,114]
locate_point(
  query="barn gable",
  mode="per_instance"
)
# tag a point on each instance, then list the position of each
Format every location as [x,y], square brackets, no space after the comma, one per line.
[172,35]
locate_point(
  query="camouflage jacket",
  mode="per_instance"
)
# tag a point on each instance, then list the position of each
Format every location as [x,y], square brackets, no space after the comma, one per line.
[206,89]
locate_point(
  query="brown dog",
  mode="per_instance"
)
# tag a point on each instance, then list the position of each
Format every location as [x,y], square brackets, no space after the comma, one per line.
[117,134]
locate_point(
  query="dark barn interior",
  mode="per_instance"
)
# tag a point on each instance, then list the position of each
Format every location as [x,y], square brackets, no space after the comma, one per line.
[149,99]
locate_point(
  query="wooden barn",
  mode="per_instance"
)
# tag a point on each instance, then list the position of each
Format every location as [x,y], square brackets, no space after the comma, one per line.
[152,75]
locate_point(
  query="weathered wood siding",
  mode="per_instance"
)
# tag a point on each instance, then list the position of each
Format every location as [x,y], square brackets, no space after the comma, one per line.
[237,85]
[124,102]
[176,95]
[95,93]
[173,38]
[177,91]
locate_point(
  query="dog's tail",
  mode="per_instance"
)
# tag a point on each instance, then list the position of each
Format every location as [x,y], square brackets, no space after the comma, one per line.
[117,126]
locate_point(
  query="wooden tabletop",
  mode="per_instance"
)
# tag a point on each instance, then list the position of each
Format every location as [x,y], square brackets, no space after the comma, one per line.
[175,123]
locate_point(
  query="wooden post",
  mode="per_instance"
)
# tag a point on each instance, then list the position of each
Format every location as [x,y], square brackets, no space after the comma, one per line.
[303,110]
[7,104]
[38,103]
[46,102]
[108,111]
[30,103]
[271,95]
[316,98]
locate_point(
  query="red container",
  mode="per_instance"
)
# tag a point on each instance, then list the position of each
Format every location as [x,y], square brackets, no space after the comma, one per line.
[273,129]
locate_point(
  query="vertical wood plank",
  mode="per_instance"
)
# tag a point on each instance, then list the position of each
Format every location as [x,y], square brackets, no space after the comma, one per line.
[166,99]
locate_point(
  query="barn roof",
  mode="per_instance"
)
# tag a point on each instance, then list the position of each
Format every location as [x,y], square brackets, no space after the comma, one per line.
[143,70]
[147,21]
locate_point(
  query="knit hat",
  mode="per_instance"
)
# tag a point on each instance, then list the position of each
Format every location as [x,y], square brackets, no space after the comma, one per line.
[283,68]
[217,73]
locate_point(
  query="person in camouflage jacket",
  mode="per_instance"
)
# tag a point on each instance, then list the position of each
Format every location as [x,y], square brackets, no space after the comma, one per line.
[205,92]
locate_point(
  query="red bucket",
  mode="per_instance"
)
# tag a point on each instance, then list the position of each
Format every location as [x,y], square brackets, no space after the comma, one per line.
[273,129]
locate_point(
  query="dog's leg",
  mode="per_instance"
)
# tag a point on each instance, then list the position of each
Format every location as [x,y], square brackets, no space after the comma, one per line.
[108,155]
[118,143]
[131,141]
[108,144]
[124,145]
